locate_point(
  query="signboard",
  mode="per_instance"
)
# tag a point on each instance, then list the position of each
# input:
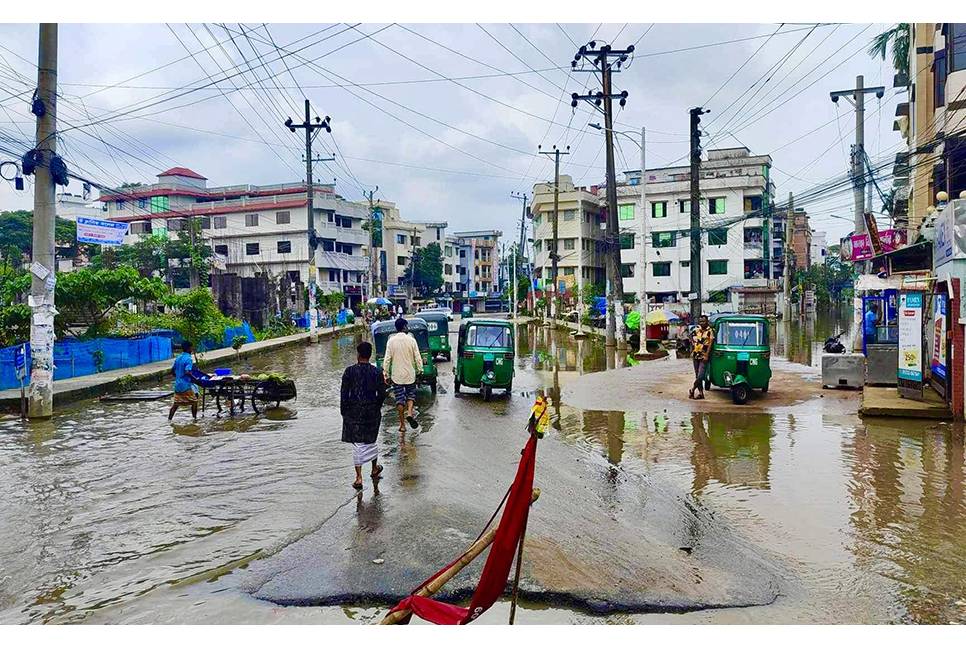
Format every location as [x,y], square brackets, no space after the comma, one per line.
[910,345]
[219,261]
[859,247]
[938,370]
[103,232]
[950,242]
[20,362]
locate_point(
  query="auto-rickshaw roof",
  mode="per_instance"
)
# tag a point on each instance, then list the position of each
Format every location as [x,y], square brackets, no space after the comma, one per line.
[488,321]
[431,316]
[735,317]
[414,324]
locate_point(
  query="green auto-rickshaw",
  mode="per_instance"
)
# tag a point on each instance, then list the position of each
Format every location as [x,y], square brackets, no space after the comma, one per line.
[438,325]
[467,311]
[740,357]
[419,330]
[484,356]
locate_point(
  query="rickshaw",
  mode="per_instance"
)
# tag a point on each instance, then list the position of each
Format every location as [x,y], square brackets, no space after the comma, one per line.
[484,356]
[467,311]
[740,357]
[438,325]
[419,330]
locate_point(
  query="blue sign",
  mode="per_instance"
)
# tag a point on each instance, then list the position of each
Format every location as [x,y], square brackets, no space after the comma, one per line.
[102,232]
[20,361]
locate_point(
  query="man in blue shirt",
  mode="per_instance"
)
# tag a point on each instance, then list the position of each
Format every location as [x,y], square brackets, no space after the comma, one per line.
[869,324]
[185,391]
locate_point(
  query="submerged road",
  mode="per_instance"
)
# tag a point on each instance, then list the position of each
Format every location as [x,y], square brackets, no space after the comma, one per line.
[790,511]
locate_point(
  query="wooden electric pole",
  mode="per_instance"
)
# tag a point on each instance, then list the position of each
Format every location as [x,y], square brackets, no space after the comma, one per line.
[554,254]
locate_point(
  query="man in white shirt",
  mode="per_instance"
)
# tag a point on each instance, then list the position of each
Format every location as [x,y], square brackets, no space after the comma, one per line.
[402,364]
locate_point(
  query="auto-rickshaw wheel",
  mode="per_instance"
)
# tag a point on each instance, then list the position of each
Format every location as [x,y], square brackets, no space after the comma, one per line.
[432,386]
[739,393]
[764,390]
[456,385]
[487,393]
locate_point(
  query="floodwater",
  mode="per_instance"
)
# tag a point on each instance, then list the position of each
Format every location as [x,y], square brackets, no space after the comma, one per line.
[111,514]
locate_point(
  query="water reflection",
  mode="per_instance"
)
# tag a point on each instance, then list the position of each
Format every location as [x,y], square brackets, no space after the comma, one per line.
[732,449]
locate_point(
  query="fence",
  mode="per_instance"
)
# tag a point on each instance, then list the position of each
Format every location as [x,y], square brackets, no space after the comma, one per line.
[74,358]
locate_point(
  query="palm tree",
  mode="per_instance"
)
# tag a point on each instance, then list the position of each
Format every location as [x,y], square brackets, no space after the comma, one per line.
[899,37]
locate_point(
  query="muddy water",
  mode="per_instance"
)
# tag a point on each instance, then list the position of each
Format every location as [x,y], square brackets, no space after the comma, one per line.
[111,514]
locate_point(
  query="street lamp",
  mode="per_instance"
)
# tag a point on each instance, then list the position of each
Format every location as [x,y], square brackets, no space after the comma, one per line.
[643,265]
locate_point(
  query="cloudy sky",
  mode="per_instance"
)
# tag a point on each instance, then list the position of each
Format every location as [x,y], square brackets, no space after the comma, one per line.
[445,119]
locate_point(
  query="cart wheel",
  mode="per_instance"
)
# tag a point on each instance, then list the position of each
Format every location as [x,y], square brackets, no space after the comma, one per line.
[739,393]
[487,393]
[456,385]
[764,390]
[254,403]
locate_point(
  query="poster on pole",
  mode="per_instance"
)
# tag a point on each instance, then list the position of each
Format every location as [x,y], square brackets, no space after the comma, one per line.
[102,232]
[938,369]
[910,363]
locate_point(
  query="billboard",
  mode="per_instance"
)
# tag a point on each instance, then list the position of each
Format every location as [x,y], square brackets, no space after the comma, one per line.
[102,232]
[859,247]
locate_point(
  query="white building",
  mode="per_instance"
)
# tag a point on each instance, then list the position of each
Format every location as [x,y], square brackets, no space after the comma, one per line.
[70,206]
[256,229]
[819,251]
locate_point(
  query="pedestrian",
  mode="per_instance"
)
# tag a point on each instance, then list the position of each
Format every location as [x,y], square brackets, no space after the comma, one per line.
[869,324]
[185,391]
[702,339]
[363,391]
[402,364]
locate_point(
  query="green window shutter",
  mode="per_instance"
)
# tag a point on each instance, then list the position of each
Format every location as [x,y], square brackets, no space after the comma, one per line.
[661,269]
[658,209]
[718,236]
[719,205]
[625,212]
[718,267]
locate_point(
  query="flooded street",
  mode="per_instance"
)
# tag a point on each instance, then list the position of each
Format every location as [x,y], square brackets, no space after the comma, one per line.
[793,513]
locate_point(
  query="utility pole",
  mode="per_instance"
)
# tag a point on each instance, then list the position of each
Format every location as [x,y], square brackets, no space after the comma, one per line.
[642,346]
[696,291]
[373,257]
[310,135]
[789,218]
[554,255]
[513,281]
[412,268]
[519,253]
[856,96]
[40,394]
[600,60]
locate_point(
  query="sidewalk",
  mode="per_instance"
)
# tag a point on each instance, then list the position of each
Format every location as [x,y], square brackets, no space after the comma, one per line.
[885,401]
[75,389]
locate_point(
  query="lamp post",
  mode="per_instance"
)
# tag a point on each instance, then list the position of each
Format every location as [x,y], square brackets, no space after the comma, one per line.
[643,258]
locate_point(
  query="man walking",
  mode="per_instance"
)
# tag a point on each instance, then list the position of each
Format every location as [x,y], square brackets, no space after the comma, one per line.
[185,391]
[701,342]
[402,364]
[363,391]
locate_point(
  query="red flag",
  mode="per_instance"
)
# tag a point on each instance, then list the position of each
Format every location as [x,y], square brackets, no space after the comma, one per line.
[497,568]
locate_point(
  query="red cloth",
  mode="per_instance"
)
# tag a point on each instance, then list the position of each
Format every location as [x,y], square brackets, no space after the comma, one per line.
[498,562]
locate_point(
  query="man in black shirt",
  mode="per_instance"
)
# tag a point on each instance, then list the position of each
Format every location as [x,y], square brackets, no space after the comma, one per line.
[363,392]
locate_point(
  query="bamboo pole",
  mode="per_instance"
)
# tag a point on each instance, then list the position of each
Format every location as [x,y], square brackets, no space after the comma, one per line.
[437,583]
[516,576]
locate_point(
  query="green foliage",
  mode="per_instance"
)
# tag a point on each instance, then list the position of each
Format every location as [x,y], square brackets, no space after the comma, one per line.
[88,296]
[898,38]
[277,327]
[98,357]
[425,272]
[152,254]
[195,315]
[331,302]
[125,383]
[16,235]
[238,342]
[832,281]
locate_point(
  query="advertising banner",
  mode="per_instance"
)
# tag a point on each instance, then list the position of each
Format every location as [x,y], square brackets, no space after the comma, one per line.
[103,232]
[937,364]
[910,344]
[859,247]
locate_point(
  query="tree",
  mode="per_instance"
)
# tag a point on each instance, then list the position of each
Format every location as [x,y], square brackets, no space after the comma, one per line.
[196,316]
[14,314]
[16,236]
[426,269]
[898,37]
[88,296]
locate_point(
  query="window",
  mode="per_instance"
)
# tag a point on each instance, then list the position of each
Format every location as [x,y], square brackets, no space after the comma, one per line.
[177,224]
[284,247]
[718,236]
[536,219]
[663,239]
[488,336]
[142,203]
[752,203]
[568,272]
[220,222]
[659,209]
[627,270]
[401,239]
[753,235]
[742,334]
[221,249]
[401,260]
[956,57]
[939,78]
[206,222]
[251,220]
[570,244]
[449,250]
[328,245]
[625,212]
[538,246]
[719,296]
[627,241]
[120,205]
[718,267]
[661,269]
[685,264]
[283,218]
[462,254]
[143,227]
[251,248]
[333,275]
[159,204]
[570,215]
[684,206]
[586,217]
[716,205]
[448,268]
[417,241]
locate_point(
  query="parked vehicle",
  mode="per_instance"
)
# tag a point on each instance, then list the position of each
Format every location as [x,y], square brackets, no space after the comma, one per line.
[438,327]
[484,356]
[466,311]
[445,310]
[834,345]
[740,358]
[419,329]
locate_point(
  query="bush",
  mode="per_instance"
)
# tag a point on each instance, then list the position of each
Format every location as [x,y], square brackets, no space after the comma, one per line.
[238,342]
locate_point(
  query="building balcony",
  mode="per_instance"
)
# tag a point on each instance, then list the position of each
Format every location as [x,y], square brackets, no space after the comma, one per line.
[341,261]
[352,235]
[754,250]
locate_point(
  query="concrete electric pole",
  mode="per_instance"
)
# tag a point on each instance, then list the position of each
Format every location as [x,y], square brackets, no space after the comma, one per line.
[310,134]
[554,254]
[696,289]
[789,219]
[40,394]
[373,257]
[642,345]
[600,60]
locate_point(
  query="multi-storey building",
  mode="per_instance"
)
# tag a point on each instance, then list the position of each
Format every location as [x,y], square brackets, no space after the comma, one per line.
[399,240]
[801,240]
[580,237]
[819,251]
[478,264]
[738,236]
[255,230]
[70,206]
[453,281]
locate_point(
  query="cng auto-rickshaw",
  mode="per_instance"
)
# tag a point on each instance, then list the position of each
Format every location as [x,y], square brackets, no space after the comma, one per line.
[418,328]
[466,311]
[740,357]
[438,327]
[484,356]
